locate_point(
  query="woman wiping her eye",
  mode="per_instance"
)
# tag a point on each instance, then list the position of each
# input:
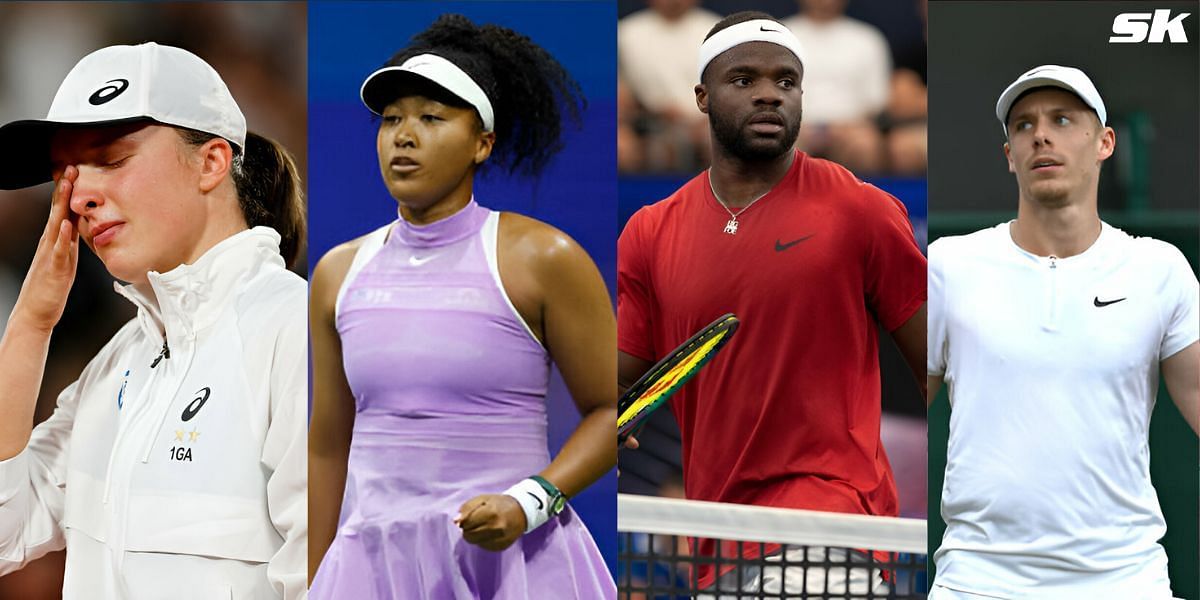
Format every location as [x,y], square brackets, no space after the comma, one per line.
[175,465]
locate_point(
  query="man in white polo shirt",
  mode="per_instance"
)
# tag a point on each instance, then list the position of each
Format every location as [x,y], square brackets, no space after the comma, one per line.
[1051,332]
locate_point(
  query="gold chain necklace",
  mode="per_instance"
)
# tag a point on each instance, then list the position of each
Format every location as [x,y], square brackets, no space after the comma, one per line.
[731,226]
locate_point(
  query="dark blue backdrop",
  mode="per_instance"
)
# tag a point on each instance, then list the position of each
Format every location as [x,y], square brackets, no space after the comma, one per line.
[577,193]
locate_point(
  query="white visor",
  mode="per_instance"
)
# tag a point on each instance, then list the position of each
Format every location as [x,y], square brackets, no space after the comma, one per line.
[759,30]
[379,89]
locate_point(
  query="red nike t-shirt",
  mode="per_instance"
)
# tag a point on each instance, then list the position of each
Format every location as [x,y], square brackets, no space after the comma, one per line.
[788,414]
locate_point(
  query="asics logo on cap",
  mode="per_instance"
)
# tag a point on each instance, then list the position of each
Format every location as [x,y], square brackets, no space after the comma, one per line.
[108,92]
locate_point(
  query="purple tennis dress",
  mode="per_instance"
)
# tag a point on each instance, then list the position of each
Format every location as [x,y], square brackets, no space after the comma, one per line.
[450,392]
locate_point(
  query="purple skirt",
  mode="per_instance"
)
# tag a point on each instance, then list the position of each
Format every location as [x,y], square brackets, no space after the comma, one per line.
[396,538]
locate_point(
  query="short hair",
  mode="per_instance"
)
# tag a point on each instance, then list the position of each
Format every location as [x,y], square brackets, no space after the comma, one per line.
[739,17]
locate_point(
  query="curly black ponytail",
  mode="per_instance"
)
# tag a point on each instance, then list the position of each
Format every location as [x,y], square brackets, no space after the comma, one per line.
[531,93]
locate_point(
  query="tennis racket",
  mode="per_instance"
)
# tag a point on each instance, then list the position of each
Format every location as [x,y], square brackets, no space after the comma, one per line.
[650,391]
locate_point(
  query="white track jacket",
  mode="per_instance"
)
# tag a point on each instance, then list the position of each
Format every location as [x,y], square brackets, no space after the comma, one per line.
[179,470]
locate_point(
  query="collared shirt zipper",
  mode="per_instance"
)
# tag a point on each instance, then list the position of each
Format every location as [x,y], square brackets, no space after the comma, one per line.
[1051,323]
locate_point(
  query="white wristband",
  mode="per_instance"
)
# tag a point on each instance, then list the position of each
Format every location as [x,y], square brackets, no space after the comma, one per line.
[533,500]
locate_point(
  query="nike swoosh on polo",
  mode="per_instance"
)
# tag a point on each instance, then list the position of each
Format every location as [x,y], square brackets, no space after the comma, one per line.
[780,246]
[1102,303]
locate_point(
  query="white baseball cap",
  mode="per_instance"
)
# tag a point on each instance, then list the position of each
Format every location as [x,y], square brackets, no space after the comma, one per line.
[118,84]
[1067,78]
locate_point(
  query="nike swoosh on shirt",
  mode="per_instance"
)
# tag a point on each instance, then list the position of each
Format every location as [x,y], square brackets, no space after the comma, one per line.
[780,246]
[1102,303]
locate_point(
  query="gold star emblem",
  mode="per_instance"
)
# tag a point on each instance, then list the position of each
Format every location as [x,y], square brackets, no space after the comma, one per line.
[179,435]
[193,434]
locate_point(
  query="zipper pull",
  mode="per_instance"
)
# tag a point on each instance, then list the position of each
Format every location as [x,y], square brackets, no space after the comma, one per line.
[166,353]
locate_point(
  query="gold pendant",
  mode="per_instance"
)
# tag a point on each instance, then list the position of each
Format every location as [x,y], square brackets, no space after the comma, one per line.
[731,226]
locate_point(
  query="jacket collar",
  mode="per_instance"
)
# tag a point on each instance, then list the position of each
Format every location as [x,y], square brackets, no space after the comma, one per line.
[189,298]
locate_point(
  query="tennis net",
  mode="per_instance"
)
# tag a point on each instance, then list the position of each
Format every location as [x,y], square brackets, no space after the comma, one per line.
[679,549]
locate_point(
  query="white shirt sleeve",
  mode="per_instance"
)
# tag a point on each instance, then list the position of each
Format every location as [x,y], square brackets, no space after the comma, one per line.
[285,453]
[1182,309]
[877,75]
[935,365]
[33,489]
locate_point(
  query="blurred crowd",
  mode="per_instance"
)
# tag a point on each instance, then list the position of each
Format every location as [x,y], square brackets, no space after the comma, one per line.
[864,94]
[259,48]
[864,107]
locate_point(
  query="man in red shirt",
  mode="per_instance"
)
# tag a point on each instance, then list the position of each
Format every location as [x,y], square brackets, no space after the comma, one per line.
[810,259]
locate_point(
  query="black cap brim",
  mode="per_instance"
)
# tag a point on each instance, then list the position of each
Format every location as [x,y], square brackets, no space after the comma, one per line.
[384,87]
[28,143]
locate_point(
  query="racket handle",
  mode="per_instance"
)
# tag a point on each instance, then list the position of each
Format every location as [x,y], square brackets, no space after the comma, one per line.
[636,431]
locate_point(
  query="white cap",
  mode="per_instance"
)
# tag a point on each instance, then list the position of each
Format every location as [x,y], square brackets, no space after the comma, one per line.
[1068,78]
[381,87]
[124,83]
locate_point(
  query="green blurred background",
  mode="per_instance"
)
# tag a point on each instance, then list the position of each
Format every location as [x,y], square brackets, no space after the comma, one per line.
[1173,445]
[1148,188]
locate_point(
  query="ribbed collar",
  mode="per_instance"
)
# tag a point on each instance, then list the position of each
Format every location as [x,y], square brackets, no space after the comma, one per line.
[457,226]
[1099,250]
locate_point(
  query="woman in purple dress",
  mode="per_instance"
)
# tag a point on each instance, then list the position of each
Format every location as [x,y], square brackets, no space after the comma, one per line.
[432,341]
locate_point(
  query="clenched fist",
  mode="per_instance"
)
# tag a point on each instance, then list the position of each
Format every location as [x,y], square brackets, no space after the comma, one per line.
[491,521]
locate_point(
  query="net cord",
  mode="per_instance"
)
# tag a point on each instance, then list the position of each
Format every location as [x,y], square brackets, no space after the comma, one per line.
[669,516]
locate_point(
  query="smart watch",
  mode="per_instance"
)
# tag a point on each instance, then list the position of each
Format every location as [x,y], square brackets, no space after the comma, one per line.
[557,501]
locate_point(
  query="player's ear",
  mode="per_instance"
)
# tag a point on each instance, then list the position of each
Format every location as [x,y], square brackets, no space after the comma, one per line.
[216,160]
[1008,156]
[483,146]
[1108,143]
[702,98]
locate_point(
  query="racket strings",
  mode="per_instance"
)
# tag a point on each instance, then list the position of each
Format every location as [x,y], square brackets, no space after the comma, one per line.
[671,373]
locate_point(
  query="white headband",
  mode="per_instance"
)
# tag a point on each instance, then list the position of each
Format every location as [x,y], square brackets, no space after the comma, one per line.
[442,72]
[759,30]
